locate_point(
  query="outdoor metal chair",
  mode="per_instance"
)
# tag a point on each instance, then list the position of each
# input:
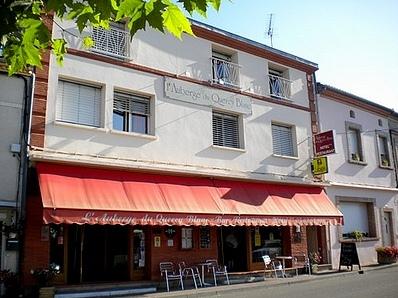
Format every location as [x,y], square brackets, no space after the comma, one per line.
[191,271]
[277,266]
[268,267]
[168,271]
[302,261]
[217,270]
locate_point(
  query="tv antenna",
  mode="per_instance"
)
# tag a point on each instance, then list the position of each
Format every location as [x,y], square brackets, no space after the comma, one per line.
[270,31]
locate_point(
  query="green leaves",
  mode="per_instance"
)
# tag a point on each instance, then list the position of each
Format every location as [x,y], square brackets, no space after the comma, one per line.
[175,22]
[25,37]
[59,49]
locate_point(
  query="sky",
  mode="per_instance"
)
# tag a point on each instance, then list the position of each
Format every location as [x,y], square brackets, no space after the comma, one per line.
[354,42]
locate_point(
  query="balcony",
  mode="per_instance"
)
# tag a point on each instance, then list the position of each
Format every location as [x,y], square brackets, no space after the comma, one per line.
[225,72]
[279,87]
[113,42]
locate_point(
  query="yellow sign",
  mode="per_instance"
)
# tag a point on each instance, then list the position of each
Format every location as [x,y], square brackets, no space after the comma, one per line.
[157,241]
[257,237]
[319,165]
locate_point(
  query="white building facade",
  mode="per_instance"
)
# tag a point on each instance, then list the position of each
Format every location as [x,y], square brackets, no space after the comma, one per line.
[217,126]
[361,172]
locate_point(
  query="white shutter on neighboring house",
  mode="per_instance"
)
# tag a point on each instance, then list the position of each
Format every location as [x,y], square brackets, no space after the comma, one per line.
[79,104]
[225,130]
[282,139]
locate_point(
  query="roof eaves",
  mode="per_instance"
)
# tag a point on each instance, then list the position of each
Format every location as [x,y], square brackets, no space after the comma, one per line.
[254,43]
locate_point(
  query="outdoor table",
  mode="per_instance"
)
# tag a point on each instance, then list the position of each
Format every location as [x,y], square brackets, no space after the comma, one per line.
[203,266]
[283,259]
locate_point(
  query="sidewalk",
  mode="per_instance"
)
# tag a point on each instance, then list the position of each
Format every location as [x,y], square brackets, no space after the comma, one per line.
[270,282]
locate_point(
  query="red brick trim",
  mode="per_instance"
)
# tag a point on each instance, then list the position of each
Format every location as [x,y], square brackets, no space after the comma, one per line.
[353,102]
[158,72]
[40,94]
[251,49]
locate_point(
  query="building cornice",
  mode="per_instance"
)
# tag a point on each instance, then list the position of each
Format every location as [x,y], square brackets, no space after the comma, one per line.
[53,156]
[353,100]
[362,186]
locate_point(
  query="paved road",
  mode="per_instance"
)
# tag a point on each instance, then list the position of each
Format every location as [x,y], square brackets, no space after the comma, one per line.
[376,283]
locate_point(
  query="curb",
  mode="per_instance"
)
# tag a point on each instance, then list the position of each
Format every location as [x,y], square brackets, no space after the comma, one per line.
[216,291]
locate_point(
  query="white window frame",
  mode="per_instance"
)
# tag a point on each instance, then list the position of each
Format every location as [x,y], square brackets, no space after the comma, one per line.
[386,156]
[127,111]
[221,140]
[355,157]
[62,102]
[293,139]
[279,77]
[186,238]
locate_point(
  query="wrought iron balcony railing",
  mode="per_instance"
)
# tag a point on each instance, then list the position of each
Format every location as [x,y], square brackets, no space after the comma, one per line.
[225,72]
[113,42]
[279,87]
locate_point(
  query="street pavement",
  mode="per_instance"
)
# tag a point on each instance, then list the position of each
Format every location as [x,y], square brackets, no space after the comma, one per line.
[374,282]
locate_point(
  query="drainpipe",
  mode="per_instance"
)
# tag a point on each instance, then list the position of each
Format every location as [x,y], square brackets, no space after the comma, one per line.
[22,183]
[394,155]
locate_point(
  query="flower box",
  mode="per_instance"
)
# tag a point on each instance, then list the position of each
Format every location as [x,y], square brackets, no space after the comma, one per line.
[387,254]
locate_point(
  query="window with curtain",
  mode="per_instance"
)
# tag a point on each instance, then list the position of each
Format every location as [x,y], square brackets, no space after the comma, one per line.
[282,140]
[354,144]
[225,130]
[186,238]
[358,216]
[384,156]
[131,113]
[78,103]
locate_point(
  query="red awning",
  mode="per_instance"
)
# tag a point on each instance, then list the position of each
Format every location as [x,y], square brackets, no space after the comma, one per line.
[80,195]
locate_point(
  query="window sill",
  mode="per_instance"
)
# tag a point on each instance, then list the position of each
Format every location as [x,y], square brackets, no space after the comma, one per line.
[286,156]
[229,148]
[358,162]
[80,126]
[386,167]
[133,134]
[367,239]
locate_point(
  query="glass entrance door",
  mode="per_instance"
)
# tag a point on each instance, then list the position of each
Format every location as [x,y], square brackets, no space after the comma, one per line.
[138,254]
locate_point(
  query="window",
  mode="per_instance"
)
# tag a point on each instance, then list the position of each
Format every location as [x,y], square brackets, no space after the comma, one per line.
[358,217]
[225,130]
[279,86]
[380,122]
[204,240]
[282,140]
[354,141]
[79,104]
[384,155]
[186,238]
[352,114]
[224,71]
[266,241]
[113,42]
[131,113]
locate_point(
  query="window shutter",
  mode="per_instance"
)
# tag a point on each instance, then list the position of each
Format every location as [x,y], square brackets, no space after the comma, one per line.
[282,140]
[131,104]
[225,130]
[78,104]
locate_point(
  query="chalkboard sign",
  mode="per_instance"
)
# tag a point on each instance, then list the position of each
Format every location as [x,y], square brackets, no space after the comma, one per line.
[349,255]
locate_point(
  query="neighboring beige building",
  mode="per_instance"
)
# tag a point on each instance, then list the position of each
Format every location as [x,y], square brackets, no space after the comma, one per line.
[14,107]
[362,173]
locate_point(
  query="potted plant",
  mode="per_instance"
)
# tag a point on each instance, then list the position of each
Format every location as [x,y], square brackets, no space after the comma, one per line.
[44,277]
[357,235]
[387,254]
[315,260]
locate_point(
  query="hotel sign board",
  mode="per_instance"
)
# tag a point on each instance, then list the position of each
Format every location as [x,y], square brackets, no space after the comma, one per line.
[205,96]
[319,165]
[324,143]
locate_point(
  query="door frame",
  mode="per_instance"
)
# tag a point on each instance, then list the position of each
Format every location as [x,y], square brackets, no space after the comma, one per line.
[391,213]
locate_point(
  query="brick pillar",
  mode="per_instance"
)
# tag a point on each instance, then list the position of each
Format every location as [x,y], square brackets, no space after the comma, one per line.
[40,95]
[36,251]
